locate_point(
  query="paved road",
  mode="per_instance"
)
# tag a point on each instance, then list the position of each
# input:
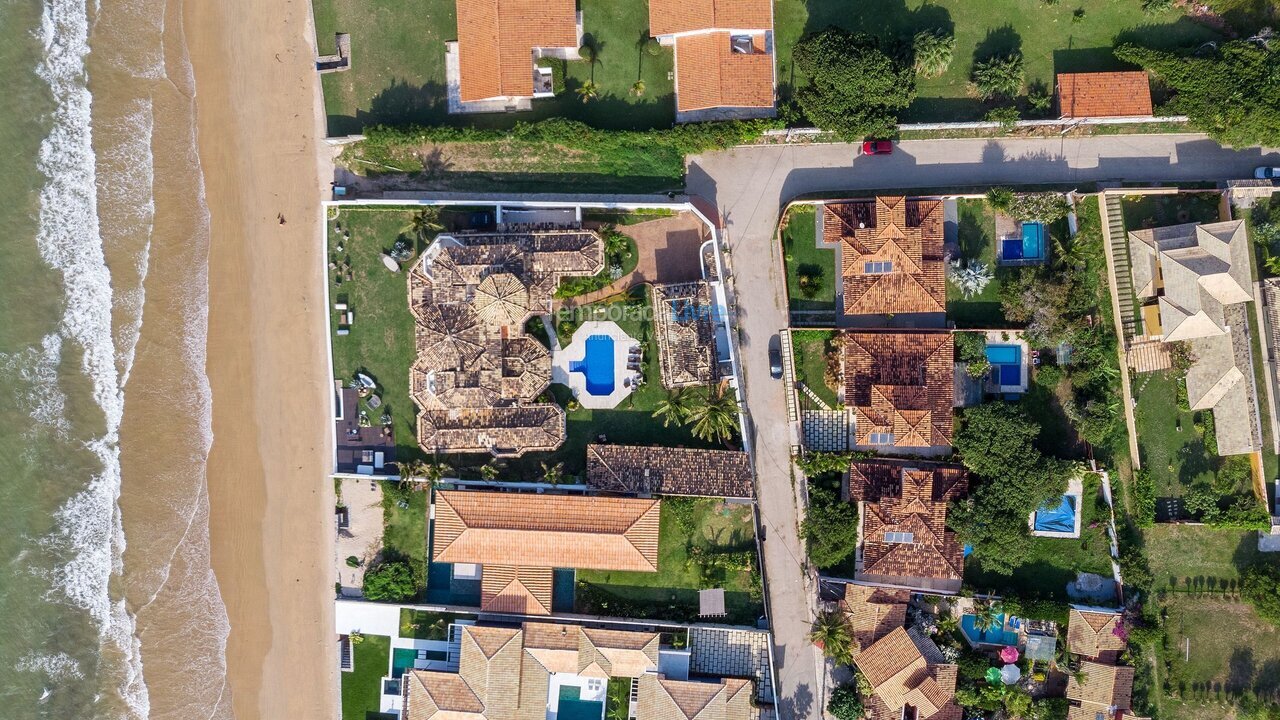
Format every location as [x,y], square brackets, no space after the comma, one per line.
[749,186]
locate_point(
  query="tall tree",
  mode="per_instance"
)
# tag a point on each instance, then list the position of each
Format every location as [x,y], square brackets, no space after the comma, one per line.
[424,223]
[856,89]
[831,631]
[716,417]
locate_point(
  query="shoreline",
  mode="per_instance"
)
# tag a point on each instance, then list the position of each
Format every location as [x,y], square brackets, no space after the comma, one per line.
[260,142]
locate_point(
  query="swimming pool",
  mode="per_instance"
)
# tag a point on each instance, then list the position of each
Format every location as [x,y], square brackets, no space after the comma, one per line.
[1029,247]
[571,706]
[1057,518]
[997,635]
[402,660]
[596,365]
[1006,364]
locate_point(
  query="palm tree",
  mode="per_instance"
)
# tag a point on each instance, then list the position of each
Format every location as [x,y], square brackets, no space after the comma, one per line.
[588,91]
[673,410]
[831,632]
[716,418]
[489,471]
[947,624]
[637,88]
[553,474]
[423,223]
[988,614]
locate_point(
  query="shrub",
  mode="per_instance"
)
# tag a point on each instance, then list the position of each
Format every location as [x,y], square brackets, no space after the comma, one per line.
[845,703]
[971,348]
[1152,7]
[685,512]
[830,528]
[1048,376]
[933,51]
[653,47]
[391,581]
[971,277]
[1144,498]
[1044,207]
[1039,99]
[1000,198]
[353,561]
[1260,585]
[998,77]
[855,89]
[1007,116]
[821,463]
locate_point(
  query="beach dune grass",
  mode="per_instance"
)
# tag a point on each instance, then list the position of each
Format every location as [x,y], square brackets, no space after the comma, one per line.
[362,687]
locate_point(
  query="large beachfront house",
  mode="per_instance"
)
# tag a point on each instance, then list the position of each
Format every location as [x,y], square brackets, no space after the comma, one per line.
[900,386]
[723,56]
[478,374]
[1194,282]
[493,65]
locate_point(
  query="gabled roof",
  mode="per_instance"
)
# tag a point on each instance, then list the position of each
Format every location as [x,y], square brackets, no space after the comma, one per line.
[648,470]
[898,234]
[616,653]
[902,673]
[873,612]
[1104,687]
[908,499]
[522,590]
[546,531]
[668,17]
[900,383]
[661,698]
[496,39]
[1092,634]
[1104,94]
[711,74]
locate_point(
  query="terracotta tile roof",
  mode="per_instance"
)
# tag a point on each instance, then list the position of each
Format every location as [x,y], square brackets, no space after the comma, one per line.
[1104,686]
[547,531]
[523,590]
[908,497]
[901,674]
[891,254]
[1104,94]
[682,322]
[1092,634]
[661,698]
[496,39]
[710,74]
[873,612]
[616,653]
[669,471]
[900,383]
[667,17]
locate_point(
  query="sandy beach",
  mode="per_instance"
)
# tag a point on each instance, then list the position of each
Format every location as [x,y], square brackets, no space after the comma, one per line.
[271,502]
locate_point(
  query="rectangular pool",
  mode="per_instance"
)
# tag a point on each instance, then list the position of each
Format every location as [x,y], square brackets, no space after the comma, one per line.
[1006,364]
[996,635]
[1028,247]
[573,707]
[596,365]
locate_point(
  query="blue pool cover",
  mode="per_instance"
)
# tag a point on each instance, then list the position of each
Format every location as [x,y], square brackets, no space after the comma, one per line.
[1060,518]
[597,365]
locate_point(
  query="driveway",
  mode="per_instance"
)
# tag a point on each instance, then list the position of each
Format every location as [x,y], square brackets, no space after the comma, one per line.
[749,185]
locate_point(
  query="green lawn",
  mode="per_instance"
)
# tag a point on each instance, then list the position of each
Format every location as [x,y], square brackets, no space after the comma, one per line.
[381,339]
[976,236]
[809,348]
[404,531]
[1231,649]
[1054,561]
[362,687]
[1148,211]
[430,626]
[805,259]
[1047,36]
[398,73]
[1175,459]
[690,556]
[1177,552]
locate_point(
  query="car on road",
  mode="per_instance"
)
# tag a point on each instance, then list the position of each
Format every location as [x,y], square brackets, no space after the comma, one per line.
[1267,173]
[775,357]
[877,147]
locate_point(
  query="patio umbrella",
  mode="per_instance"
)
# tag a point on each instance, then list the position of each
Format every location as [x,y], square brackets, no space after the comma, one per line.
[993,675]
[1009,674]
[1009,654]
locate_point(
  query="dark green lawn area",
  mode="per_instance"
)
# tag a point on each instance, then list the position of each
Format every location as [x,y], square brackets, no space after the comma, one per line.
[810,348]
[398,68]
[1176,459]
[1045,404]
[1178,552]
[1148,211]
[381,339]
[429,625]
[1055,561]
[362,687]
[976,236]
[1047,36]
[804,259]
[618,704]
[687,562]
[404,527]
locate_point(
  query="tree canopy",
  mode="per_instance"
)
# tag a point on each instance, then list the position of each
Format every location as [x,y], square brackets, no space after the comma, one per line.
[392,581]
[856,89]
[1233,94]
[1261,587]
[830,527]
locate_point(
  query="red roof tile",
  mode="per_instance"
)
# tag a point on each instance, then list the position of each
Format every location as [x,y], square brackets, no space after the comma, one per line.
[908,497]
[496,39]
[667,17]
[1104,94]
[900,384]
[891,254]
[710,74]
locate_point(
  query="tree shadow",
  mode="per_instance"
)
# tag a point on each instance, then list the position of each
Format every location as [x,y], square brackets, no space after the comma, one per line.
[400,103]
[889,20]
[1241,670]
[999,41]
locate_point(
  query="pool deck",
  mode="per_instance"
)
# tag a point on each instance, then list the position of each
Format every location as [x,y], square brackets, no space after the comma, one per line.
[1074,488]
[576,350]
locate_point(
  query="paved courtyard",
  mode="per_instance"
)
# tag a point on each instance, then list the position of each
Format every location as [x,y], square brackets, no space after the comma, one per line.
[362,537]
[725,652]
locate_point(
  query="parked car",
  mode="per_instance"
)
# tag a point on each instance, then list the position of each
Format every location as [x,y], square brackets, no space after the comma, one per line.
[877,147]
[775,357]
[1266,173]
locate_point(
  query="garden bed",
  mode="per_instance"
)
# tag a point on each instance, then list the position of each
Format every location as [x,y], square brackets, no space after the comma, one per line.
[810,349]
[811,271]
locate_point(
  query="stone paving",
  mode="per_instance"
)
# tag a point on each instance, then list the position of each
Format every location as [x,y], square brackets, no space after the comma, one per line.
[724,652]
[827,430]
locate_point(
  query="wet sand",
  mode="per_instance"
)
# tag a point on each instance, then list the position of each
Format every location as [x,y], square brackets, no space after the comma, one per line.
[271,501]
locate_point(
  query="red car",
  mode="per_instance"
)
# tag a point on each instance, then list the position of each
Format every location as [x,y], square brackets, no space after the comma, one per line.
[877,147]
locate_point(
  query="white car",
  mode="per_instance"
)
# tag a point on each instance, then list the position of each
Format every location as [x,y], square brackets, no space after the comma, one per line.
[1266,173]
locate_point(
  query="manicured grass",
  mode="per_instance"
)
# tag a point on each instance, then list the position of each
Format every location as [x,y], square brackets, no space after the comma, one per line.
[1177,552]
[976,236]
[1046,35]
[1148,211]
[398,68]
[430,626]
[1175,459]
[404,530]
[672,591]
[1230,647]
[381,339]
[805,258]
[1054,561]
[362,687]
[810,349]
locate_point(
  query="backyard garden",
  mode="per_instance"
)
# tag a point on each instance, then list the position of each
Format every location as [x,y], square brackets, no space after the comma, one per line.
[362,687]
[811,271]
[817,362]
[975,251]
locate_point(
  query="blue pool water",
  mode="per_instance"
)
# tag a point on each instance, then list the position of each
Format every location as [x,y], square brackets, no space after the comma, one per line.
[573,707]
[402,661]
[1029,247]
[997,635]
[1006,363]
[1057,518]
[597,365]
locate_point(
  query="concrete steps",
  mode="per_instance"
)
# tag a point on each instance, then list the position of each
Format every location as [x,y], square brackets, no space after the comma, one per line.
[1118,239]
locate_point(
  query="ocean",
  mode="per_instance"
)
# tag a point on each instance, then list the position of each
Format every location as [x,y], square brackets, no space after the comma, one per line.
[110,607]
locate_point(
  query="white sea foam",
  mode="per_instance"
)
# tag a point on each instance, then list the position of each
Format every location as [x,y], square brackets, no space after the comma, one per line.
[41,397]
[55,666]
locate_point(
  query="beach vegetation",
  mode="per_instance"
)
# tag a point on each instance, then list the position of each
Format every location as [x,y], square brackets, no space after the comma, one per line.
[856,88]
[390,580]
